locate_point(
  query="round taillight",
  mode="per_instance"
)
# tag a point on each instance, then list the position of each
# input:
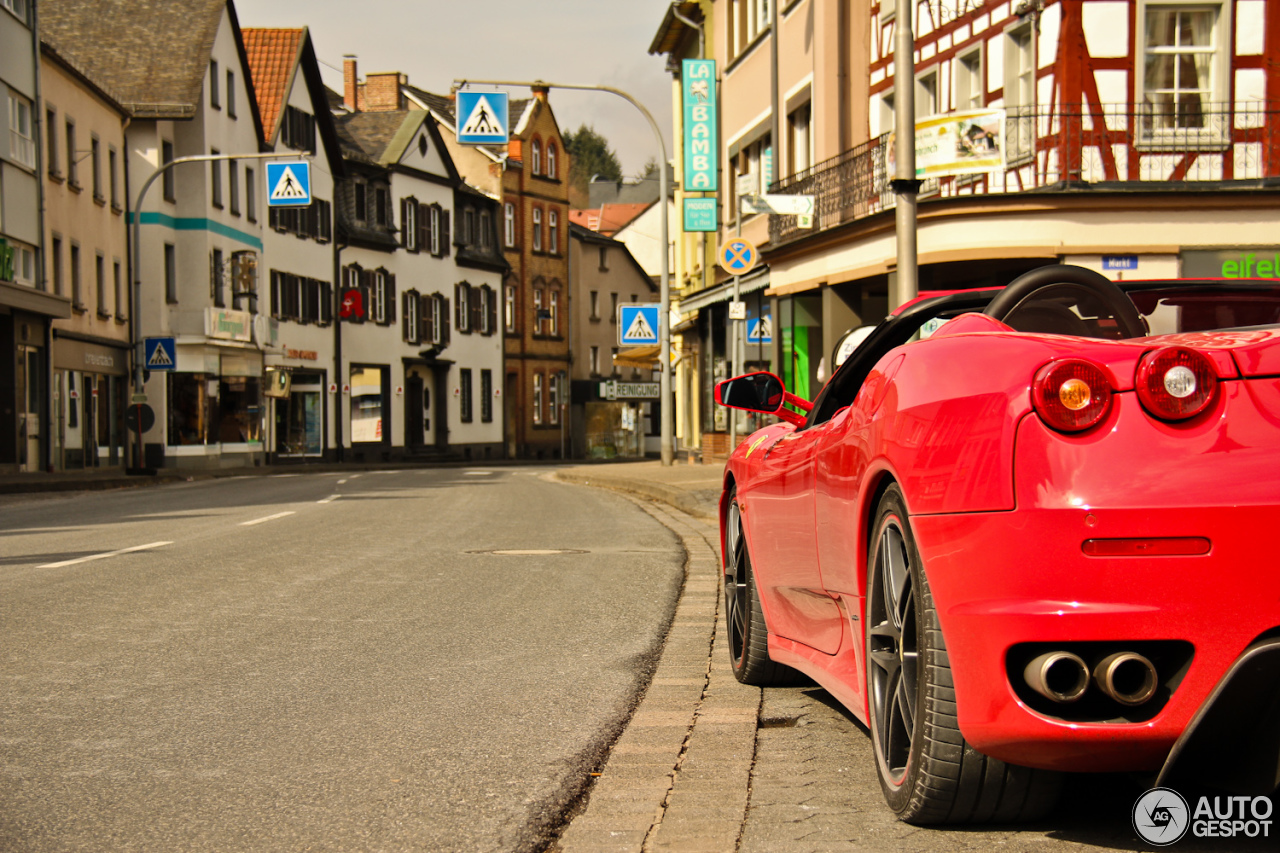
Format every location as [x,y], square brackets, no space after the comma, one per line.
[1071,395]
[1176,383]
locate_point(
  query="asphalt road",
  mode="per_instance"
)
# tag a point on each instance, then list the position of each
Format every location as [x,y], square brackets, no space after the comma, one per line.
[255,664]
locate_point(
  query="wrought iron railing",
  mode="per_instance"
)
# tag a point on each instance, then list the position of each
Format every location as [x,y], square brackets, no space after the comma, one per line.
[1062,148]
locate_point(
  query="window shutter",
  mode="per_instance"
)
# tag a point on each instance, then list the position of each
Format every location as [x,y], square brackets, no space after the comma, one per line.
[326,303]
[444,233]
[391,299]
[445,325]
[493,311]
[404,221]
[424,229]
[459,305]
[405,331]
[476,309]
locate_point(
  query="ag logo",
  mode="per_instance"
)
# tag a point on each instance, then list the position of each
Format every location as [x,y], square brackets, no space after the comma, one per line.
[1161,816]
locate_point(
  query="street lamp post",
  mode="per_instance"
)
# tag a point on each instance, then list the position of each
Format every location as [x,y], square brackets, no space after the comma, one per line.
[905,184]
[664,285]
[139,357]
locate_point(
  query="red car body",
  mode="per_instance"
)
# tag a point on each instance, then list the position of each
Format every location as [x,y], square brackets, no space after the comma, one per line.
[1178,516]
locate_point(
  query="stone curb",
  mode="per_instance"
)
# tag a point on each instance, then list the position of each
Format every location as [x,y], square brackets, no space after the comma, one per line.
[678,776]
[678,498]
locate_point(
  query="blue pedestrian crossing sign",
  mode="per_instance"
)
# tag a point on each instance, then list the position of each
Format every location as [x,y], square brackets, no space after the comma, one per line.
[760,329]
[289,184]
[159,354]
[638,324]
[482,118]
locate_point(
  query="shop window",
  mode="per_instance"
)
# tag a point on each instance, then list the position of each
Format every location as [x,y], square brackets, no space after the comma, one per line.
[367,404]
[239,410]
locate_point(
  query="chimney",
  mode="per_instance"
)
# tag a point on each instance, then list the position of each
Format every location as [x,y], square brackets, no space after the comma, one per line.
[540,92]
[382,91]
[349,82]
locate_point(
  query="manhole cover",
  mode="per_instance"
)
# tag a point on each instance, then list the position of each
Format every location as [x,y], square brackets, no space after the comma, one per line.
[529,552]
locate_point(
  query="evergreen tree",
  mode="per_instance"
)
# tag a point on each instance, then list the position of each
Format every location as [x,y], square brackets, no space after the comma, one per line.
[591,157]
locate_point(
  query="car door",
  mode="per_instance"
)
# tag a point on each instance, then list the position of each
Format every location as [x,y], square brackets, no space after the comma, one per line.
[779,517]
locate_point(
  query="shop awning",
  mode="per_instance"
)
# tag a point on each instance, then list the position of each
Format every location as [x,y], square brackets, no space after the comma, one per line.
[643,358]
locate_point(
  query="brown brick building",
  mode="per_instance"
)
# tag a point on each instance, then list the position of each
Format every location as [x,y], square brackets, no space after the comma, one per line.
[535,210]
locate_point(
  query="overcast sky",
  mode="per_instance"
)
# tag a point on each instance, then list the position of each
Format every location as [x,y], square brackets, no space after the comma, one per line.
[591,42]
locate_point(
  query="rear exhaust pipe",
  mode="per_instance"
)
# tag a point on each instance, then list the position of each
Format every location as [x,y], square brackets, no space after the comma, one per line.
[1058,676]
[1127,677]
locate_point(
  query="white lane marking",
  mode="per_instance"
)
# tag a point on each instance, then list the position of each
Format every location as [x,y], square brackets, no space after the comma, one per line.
[279,476]
[342,482]
[266,518]
[353,476]
[101,556]
[329,499]
[478,473]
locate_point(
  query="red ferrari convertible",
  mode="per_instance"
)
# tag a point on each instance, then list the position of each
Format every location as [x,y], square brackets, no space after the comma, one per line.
[1025,531]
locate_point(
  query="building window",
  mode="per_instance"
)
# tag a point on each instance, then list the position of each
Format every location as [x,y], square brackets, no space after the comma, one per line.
[23,261]
[233,177]
[113,177]
[468,236]
[17,7]
[553,232]
[378,298]
[595,361]
[367,404]
[800,139]
[22,146]
[298,130]
[537,310]
[604,259]
[380,199]
[509,308]
[217,278]
[250,195]
[117,282]
[464,394]
[231,94]
[537,229]
[462,307]
[537,398]
[536,148]
[509,224]
[748,19]
[214,100]
[485,237]
[551,160]
[55,259]
[77,297]
[100,279]
[412,311]
[970,90]
[554,296]
[73,172]
[434,220]
[595,305]
[170,274]
[166,156]
[613,307]
[927,94]
[486,396]
[362,203]
[553,398]
[50,143]
[215,180]
[1020,94]
[487,310]
[409,224]
[1179,58]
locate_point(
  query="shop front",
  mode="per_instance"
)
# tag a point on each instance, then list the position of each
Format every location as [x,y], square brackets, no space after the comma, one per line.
[90,393]
[617,417]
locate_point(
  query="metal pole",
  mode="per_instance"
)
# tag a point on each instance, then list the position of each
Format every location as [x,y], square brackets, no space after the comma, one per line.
[138,355]
[735,365]
[905,184]
[664,284]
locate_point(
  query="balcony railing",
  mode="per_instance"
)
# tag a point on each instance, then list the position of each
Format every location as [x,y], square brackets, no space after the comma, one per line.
[1055,149]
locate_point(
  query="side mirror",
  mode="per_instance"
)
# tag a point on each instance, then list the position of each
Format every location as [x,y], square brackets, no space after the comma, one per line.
[761,392]
[754,392]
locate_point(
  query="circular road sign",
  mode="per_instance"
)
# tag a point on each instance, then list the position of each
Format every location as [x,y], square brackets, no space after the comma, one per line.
[738,256]
[139,412]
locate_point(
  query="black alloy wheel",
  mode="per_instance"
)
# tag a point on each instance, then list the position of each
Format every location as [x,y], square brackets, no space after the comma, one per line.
[927,771]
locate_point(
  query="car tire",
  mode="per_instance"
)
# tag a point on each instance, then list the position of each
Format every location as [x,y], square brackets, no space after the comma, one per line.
[928,773]
[743,617]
